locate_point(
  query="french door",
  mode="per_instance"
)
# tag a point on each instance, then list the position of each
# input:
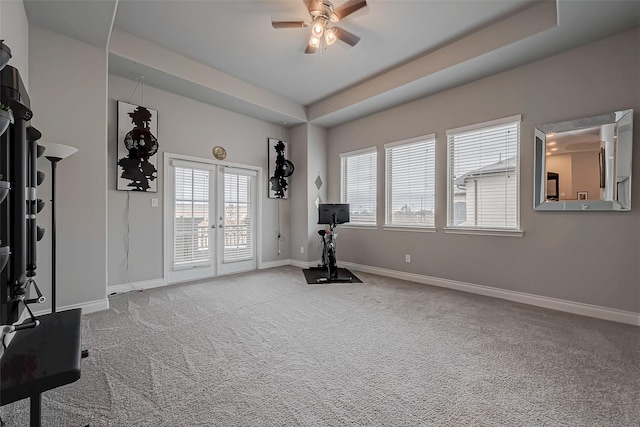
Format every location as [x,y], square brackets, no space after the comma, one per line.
[210,220]
[236,220]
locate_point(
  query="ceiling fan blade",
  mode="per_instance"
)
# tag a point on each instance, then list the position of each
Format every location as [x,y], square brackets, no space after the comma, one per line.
[310,49]
[347,37]
[289,24]
[349,7]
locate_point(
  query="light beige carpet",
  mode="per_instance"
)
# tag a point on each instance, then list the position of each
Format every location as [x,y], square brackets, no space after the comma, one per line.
[266,349]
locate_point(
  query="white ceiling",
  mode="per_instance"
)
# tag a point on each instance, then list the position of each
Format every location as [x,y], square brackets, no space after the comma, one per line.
[409,49]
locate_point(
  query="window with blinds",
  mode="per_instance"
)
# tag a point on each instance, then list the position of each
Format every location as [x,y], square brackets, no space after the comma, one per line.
[191,218]
[238,223]
[483,175]
[410,182]
[358,185]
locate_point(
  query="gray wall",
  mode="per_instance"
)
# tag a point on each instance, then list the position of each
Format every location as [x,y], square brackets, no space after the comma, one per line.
[585,257]
[14,30]
[68,96]
[191,128]
[316,166]
[309,144]
[588,257]
[298,192]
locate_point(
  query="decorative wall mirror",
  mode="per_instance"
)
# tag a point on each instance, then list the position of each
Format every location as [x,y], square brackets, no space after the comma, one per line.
[584,164]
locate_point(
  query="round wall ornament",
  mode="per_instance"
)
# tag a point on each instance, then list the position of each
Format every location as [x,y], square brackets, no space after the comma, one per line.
[219,152]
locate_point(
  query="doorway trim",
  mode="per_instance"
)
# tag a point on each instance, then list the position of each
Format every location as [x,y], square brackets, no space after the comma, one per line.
[168,206]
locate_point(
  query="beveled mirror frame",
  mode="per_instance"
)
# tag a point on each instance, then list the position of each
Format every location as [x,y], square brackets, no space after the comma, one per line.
[617,155]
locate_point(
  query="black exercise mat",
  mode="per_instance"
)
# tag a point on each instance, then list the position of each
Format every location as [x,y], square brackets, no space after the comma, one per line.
[312,276]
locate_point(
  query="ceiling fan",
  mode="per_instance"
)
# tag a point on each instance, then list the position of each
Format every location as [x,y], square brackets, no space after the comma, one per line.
[323,18]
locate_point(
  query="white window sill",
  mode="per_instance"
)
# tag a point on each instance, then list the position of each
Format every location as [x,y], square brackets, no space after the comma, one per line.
[484,231]
[359,226]
[190,266]
[410,228]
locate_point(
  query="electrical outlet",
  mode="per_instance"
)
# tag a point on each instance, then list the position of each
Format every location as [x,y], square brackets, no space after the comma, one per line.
[407,258]
[154,202]
[301,249]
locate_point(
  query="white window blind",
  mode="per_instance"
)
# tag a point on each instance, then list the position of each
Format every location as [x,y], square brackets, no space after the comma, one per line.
[410,182]
[483,175]
[238,222]
[191,218]
[358,185]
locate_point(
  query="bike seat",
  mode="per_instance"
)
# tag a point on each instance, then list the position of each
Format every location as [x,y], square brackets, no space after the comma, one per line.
[322,232]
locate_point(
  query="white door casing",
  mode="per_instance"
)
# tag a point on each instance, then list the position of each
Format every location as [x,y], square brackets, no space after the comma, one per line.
[195,226]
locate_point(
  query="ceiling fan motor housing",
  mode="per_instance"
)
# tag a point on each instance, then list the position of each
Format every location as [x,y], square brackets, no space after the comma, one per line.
[324,10]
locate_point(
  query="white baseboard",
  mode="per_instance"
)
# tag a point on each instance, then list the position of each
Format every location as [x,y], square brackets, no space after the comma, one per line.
[87,307]
[156,283]
[303,264]
[272,264]
[589,310]
[135,286]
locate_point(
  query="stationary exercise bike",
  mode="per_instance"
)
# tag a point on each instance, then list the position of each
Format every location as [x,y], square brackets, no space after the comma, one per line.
[332,215]
[329,251]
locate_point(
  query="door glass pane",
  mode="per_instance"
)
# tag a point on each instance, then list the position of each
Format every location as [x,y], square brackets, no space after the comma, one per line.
[238,223]
[191,218]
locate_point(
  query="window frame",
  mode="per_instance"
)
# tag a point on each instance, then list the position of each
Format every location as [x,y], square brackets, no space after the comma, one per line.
[515,231]
[343,199]
[430,140]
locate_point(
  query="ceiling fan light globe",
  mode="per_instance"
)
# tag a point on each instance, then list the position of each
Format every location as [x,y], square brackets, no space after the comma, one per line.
[330,37]
[314,42]
[317,29]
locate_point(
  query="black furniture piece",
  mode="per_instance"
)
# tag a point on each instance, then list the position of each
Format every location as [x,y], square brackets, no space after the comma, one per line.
[40,359]
[45,351]
[19,231]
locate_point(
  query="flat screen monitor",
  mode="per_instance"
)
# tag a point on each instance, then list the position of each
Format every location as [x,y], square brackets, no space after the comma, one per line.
[333,213]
